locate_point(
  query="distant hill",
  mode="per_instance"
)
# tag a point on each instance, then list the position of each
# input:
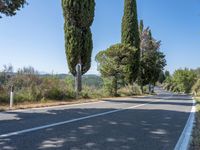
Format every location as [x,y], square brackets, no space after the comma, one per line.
[89,80]
[92,80]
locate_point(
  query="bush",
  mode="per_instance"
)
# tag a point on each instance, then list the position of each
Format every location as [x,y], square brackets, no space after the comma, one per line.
[92,92]
[108,86]
[4,95]
[196,88]
[130,90]
[181,81]
[56,89]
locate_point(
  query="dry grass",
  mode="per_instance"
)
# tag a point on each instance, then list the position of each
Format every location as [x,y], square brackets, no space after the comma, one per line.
[48,103]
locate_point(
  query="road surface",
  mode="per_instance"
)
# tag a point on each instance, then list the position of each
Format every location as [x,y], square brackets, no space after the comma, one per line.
[146,123]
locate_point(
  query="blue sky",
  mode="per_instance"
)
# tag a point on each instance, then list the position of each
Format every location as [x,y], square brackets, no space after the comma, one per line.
[34,37]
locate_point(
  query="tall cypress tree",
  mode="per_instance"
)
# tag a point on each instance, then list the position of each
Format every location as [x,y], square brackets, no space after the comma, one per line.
[79,16]
[130,32]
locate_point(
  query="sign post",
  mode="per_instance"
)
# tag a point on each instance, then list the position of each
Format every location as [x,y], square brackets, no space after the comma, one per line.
[11,96]
[78,84]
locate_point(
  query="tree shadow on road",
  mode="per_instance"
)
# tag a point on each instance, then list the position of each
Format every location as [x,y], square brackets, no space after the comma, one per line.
[141,128]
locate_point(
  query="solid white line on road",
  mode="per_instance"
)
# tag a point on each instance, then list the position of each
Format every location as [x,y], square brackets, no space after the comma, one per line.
[71,121]
[184,140]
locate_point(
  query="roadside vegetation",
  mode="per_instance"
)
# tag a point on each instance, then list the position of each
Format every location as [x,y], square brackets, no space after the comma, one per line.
[129,68]
[184,81]
[30,86]
[187,81]
[195,143]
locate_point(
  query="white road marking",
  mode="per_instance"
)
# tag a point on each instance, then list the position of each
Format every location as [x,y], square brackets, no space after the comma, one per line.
[71,121]
[184,140]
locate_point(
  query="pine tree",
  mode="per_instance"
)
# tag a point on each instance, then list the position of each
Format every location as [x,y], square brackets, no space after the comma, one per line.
[9,7]
[114,63]
[78,17]
[130,32]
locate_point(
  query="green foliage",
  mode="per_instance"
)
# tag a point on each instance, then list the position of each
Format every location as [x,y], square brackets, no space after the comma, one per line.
[108,86]
[78,17]
[196,88]
[162,77]
[9,7]
[167,74]
[168,83]
[130,33]
[184,79]
[181,81]
[92,81]
[116,63]
[152,60]
[92,92]
[32,87]
[4,94]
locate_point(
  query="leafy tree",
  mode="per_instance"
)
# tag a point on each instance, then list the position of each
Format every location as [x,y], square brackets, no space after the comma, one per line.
[9,7]
[184,79]
[197,71]
[130,33]
[116,63]
[152,60]
[78,17]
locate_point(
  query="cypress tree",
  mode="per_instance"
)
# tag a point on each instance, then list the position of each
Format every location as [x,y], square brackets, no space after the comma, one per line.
[141,27]
[79,16]
[130,32]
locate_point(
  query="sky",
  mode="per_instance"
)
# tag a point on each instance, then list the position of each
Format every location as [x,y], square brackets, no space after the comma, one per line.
[35,36]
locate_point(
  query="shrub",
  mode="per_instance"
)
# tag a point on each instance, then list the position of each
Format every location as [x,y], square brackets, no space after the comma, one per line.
[92,92]
[181,81]
[54,89]
[108,86]
[196,88]
[130,90]
[4,95]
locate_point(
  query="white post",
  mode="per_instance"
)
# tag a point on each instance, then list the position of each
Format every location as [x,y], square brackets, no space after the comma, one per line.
[78,84]
[11,97]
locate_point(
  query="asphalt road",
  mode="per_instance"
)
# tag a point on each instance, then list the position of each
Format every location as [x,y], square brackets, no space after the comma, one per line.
[148,123]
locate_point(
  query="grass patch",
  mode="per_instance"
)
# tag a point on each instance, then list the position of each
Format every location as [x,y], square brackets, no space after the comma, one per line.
[195,144]
[46,103]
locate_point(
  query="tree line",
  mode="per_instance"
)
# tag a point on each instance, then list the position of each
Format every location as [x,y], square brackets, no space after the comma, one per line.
[184,81]
[137,59]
